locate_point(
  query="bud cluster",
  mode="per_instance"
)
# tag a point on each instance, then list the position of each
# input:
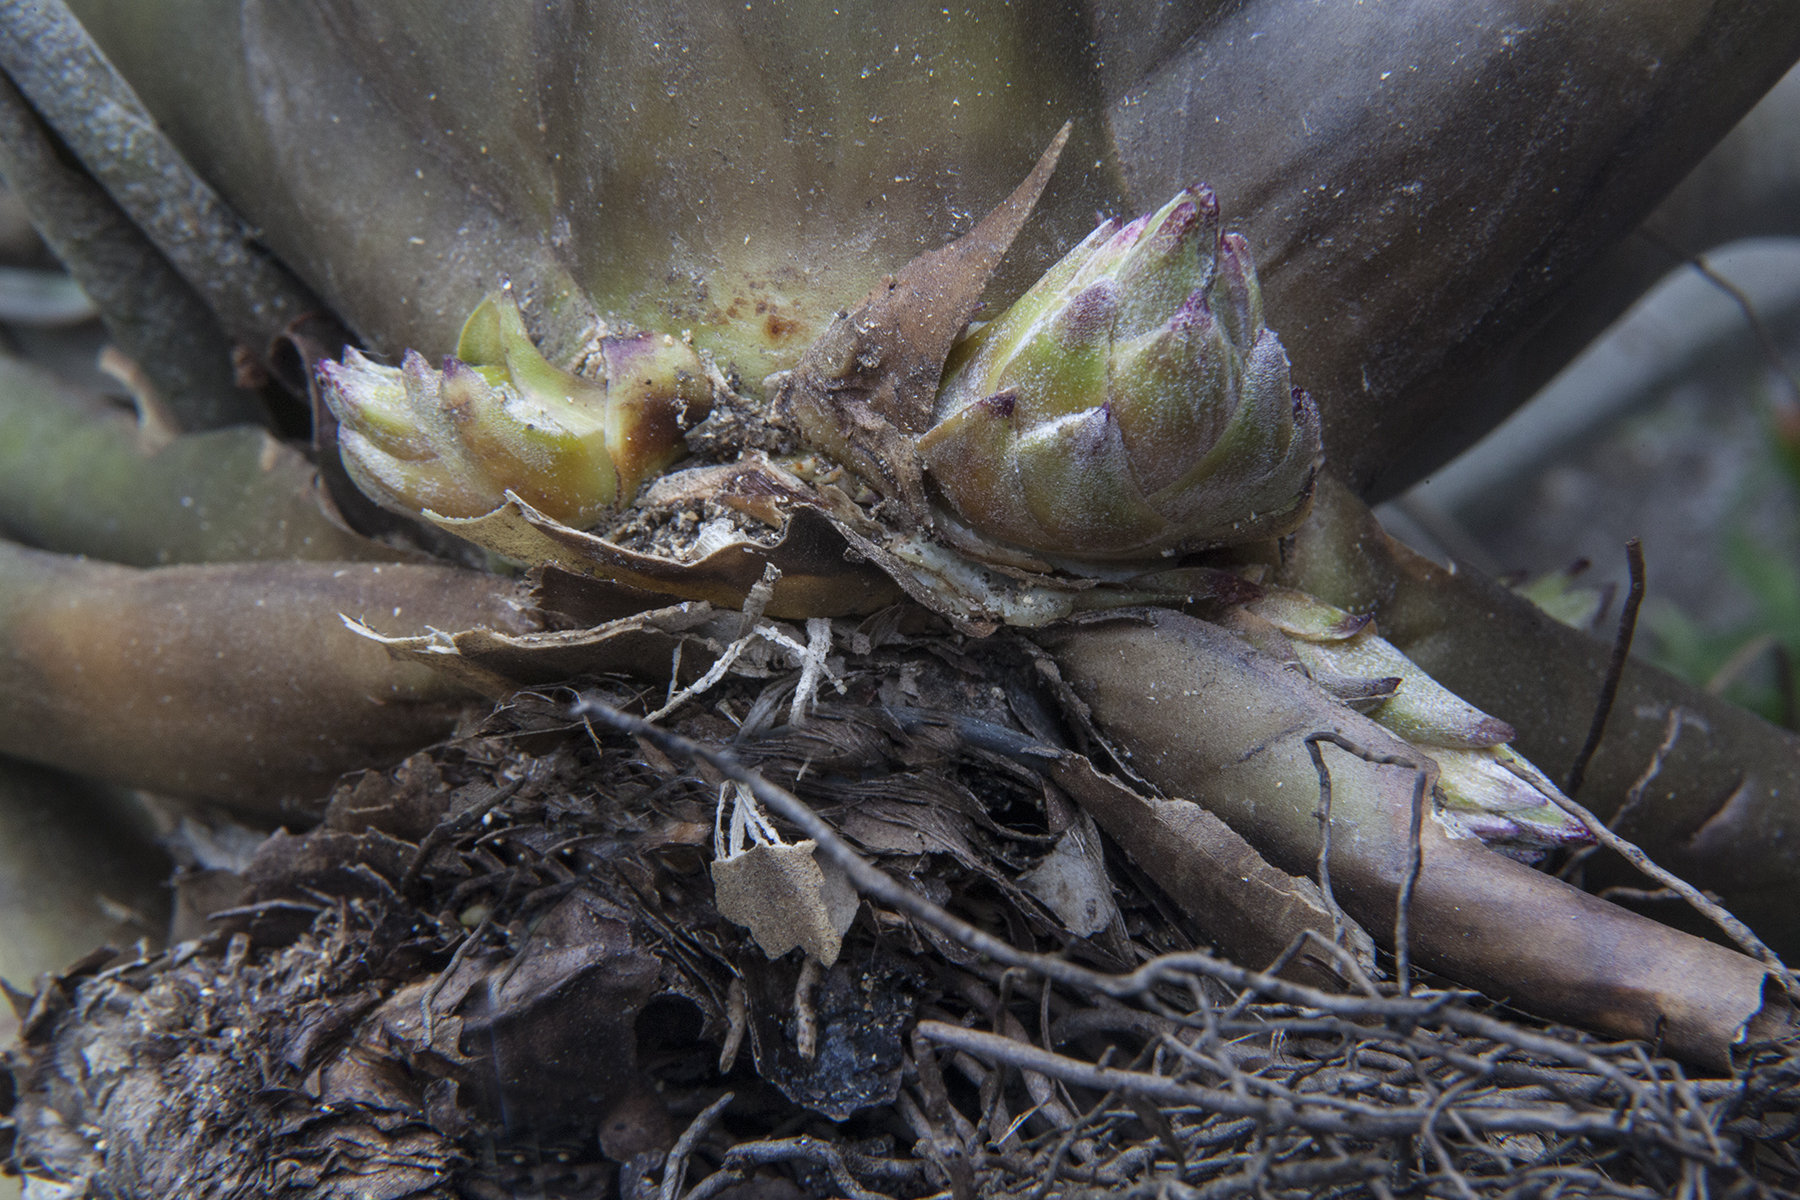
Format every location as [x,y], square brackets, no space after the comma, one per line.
[499,417]
[1485,788]
[1131,403]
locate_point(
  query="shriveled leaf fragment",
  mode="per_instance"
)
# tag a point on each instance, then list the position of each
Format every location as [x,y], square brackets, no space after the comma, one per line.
[817,576]
[782,895]
[1073,886]
[777,890]
[496,663]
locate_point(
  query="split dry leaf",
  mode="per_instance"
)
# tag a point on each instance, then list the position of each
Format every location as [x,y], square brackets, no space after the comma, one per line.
[817,577]
[1254,910]
[1072,880]
[496,663]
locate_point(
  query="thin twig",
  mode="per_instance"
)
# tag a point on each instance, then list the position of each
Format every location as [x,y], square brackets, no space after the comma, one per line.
[737,1018]
[1415,860]
[1321,1114]
[745,1155]
[427,1017]
[1053,1164]
[1615,667]
[1634,799]
[675,1165]
[1765,340]
[451,827]
[806,1019]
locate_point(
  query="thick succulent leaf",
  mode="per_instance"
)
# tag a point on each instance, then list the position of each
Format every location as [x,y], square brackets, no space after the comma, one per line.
[712,167]
[1420,182]
[1477,917]
[62,845]
[80,476]
[234,683]
[741,172]
[1748,186]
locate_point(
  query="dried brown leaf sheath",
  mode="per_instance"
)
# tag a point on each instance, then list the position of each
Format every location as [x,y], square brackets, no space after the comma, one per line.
[1252,907]
[817,578]
[864,391]
[1204,716]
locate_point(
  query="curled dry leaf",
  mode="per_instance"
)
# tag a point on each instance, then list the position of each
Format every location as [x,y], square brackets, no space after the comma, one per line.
[865,389]
[816,577]
[1254,910]
[496,663]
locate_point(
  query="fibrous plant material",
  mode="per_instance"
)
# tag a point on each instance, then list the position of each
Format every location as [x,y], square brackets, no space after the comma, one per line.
[858,394]
[499,968]
[542,935]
